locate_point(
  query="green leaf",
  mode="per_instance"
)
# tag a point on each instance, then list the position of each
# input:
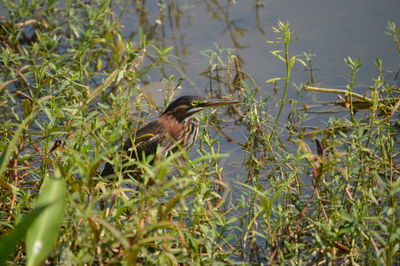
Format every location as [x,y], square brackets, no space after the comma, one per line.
[142,38]
[301,62]
[43,233]
[27,107]
[291,62]
[273,80]
[9,242]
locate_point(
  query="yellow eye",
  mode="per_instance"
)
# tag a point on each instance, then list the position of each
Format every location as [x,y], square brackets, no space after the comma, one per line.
[194,103]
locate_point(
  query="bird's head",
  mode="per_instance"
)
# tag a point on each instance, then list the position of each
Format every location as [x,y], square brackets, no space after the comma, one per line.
[186,106]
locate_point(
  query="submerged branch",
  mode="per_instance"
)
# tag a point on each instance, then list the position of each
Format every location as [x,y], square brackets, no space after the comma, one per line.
[345,92]
[364,102]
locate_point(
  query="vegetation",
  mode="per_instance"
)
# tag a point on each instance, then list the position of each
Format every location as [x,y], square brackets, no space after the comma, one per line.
[71,89]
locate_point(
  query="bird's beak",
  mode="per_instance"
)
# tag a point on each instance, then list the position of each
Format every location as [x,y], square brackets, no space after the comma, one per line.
[208,104]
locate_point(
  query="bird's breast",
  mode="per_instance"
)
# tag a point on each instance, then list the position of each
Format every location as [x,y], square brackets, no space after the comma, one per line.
[189,133]
[180,134]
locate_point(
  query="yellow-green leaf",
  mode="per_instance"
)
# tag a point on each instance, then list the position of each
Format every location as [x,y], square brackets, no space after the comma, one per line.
[273,80]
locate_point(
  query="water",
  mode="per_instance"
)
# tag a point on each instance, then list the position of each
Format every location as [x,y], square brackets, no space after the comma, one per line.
[332,30]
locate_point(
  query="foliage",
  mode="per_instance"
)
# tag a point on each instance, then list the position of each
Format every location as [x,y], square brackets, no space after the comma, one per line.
[71,91]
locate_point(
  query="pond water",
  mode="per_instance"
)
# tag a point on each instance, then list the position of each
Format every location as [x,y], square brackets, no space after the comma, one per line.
[329,30]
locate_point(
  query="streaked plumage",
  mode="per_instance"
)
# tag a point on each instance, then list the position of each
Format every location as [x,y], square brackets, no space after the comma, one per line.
[176,128]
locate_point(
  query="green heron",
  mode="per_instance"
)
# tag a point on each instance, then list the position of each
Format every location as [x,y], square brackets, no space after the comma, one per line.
[176,128]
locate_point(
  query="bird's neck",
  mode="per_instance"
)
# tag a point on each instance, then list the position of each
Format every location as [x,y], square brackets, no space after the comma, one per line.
[177,117]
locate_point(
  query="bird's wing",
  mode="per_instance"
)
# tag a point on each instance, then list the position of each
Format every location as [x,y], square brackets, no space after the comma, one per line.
[145,140]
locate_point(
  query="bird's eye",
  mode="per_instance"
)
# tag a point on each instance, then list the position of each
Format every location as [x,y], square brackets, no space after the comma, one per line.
[194,103]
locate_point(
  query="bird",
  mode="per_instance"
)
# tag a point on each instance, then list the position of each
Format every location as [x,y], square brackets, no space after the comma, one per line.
[176,128]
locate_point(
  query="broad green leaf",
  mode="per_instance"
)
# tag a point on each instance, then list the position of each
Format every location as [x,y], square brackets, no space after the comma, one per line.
[9,242]
[43,233]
